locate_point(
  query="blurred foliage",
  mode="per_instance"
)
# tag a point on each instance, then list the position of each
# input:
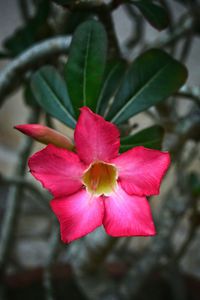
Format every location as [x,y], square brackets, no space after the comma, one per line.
[151,137]
[156,14]
[118,82]
[35,29]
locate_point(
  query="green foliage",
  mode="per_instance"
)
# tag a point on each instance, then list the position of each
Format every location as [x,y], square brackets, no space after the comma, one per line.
[112,79]
[86,63]
[35,29]
[51,93]
[194,183]
[151,137]
[29,97]
[151,78]
[74,19]
[155,14]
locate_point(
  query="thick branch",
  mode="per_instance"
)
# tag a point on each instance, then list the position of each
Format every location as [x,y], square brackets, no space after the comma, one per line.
[15,71]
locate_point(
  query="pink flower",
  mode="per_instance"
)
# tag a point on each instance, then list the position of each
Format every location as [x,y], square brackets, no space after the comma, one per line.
[97,186]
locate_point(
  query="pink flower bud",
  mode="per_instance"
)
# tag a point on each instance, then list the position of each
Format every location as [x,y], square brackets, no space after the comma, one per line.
[45,135]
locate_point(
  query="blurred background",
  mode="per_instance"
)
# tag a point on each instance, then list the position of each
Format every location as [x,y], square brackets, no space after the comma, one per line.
[36,264]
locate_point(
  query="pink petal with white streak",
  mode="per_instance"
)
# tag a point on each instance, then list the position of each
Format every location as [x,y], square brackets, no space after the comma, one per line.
[78,214]
[127,215]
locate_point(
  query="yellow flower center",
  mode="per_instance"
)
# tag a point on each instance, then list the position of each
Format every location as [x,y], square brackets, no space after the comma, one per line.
[100,178]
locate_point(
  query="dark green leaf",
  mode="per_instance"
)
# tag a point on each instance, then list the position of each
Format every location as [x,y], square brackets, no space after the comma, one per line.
[74,19]
[194,183]
[111,83]
[51,93]
[152,77]
[149,137]
[156,14]
[86,63]
[4,55]
[29,97]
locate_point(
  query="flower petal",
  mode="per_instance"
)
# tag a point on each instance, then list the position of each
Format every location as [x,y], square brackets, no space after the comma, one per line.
[78,214]
[141,170]
[95,138]
[59,170]
[127,215]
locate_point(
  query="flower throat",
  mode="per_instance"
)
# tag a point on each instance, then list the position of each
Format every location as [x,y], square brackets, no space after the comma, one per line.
[100,178]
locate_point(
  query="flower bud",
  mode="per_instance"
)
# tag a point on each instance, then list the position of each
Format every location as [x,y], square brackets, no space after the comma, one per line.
[45,135]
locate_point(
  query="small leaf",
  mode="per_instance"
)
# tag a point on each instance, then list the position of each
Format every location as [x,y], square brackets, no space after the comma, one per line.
[111,83]
[149,137]
[151,78]
[155,14]
[51,93]
[86,63]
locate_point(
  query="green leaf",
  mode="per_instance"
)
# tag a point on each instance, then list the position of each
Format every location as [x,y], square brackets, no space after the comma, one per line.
[86,63]
[29,98]
[111,83]
[51,93]
[149,137]
[151,78]
[155,14]
[74,19]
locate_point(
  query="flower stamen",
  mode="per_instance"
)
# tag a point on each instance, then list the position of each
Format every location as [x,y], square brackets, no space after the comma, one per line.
[100,178]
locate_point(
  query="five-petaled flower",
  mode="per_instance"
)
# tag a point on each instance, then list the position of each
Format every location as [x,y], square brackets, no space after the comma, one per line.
[98,186]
